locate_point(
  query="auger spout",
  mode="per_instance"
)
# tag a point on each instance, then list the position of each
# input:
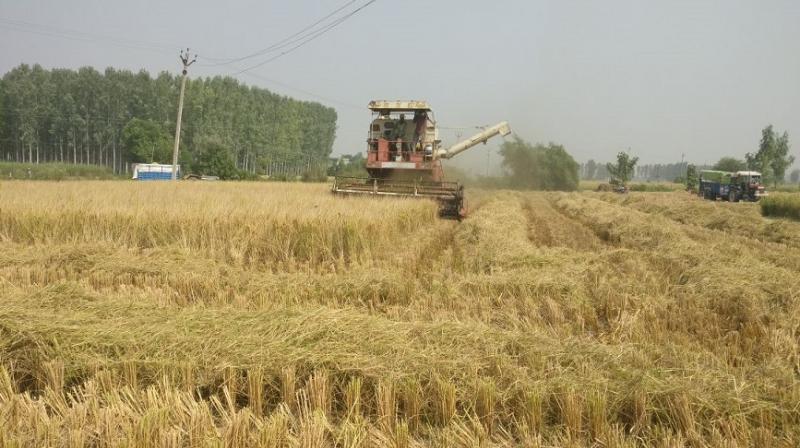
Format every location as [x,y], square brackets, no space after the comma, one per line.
[502,128]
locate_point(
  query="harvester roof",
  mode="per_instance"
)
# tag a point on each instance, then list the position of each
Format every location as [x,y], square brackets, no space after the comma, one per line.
[410,105]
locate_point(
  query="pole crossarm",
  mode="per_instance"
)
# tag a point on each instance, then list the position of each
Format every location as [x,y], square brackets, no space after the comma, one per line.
[187,61]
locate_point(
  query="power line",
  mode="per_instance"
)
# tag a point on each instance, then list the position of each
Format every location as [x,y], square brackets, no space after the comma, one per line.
[282,41]
[97,38]
[300,38]
[47,30]
[309,37]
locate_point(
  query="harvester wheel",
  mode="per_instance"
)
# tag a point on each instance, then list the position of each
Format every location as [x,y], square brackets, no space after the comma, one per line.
[732,197]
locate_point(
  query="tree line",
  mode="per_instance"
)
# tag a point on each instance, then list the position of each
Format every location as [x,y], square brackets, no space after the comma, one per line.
[651,172]
[119,117]
[772,160]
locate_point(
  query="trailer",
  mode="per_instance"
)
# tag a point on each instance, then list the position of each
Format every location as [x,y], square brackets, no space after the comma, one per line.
[731,187]
[714,184]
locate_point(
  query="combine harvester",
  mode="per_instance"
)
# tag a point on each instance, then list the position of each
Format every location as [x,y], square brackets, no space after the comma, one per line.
[404,157]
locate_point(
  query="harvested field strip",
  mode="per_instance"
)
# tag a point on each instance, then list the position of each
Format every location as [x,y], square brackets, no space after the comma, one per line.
[775,242]
[747,306]
[740,219]
[548,227]
[148,344]
[503,298]
[541,320]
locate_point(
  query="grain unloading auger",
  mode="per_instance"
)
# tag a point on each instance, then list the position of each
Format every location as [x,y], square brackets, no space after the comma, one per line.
[404,157]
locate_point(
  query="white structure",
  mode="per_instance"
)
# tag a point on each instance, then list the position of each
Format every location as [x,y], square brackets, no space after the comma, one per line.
[153,171]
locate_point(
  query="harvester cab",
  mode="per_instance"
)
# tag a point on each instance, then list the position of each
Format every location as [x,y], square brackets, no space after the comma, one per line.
[404,155]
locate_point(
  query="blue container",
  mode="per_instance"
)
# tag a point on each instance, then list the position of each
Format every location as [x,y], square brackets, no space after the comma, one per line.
[154,171]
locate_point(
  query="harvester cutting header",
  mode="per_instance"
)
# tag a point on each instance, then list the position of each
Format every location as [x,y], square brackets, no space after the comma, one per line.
[404,156]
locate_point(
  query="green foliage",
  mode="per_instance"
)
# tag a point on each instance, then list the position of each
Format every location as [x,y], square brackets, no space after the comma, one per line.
[692,177]
[653,187]
[654,172]
[2,108]
[214,159]
[760,160]
[351,166]
[82,116]
[730,164]
[52,171]
[781,160]
[590,170]
[539,167]
[314,175]
[794,177]
[622,172]
[772,158]
[786,188]
[146,141]
[781,205]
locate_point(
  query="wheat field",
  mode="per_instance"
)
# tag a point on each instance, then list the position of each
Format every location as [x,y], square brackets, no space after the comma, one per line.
[786,205]
[277,315]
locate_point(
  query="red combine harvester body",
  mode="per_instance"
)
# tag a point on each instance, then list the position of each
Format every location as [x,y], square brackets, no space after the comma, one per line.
[404,157]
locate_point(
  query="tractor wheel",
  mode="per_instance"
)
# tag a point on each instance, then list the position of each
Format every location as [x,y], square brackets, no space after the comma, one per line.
[732,197]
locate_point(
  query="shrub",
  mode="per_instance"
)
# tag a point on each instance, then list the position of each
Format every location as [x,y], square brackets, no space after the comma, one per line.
[655,187]
[539,167]
[781,205]
[53,171]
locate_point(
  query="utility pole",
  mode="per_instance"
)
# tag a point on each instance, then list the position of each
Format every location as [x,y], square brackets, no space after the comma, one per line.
[186,63]
[684,168]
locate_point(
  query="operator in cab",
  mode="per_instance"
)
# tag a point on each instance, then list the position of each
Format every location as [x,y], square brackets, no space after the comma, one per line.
[400,131]
[420,123]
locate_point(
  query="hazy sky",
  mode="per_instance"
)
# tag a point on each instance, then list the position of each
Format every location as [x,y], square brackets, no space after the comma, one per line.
[698,77]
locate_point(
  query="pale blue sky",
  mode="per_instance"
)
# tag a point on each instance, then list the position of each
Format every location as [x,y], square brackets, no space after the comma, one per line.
[699,77]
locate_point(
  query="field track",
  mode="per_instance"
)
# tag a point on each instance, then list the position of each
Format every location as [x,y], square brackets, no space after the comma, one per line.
[278,315]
